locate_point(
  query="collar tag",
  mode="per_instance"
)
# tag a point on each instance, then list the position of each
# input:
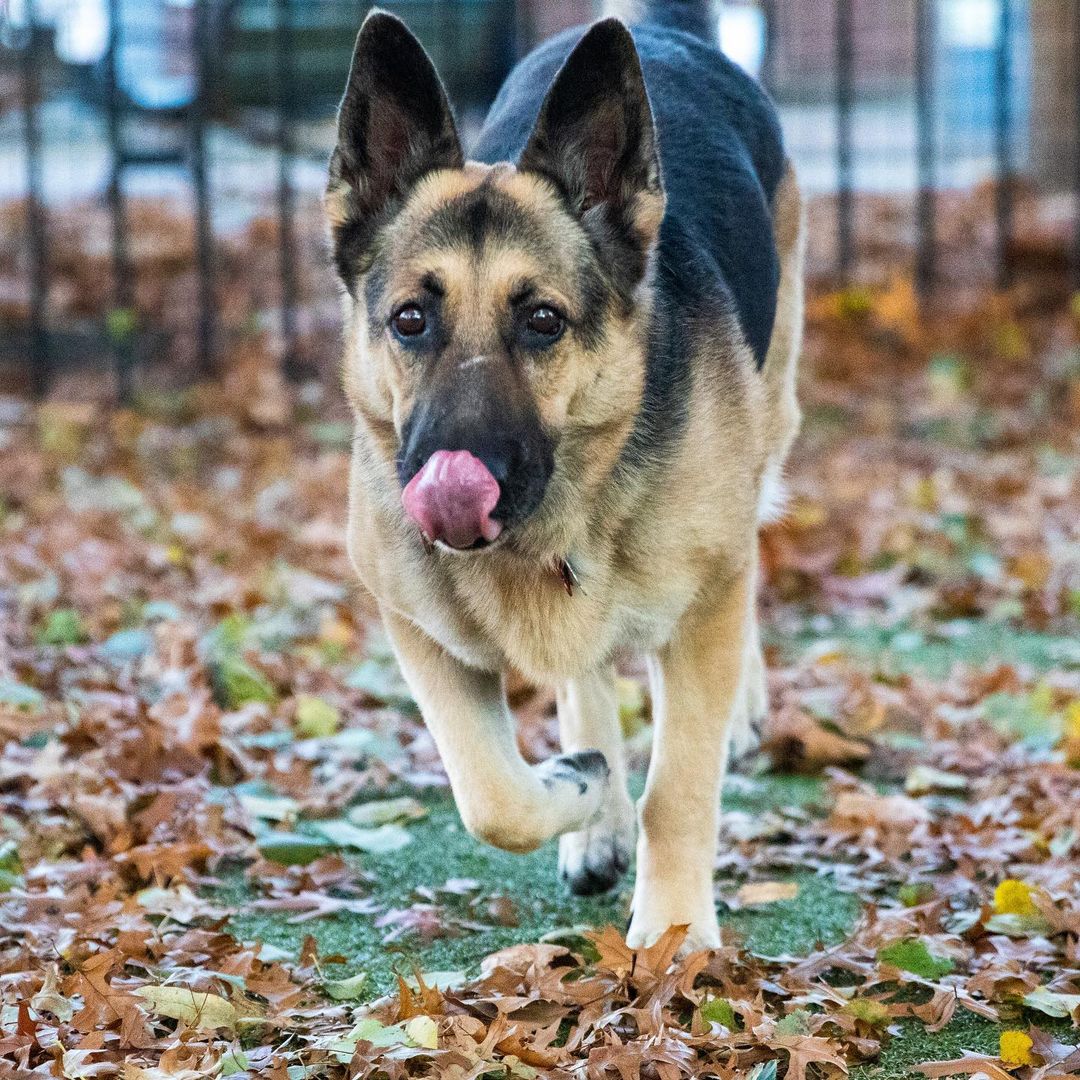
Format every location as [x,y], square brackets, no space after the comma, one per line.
[567,575]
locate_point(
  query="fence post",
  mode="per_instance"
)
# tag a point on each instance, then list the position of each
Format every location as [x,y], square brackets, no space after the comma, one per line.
[286,202]
[845,89]
[204,232]
[768,56]
[1076,148]
[36,230]
[1003,202]
[121,323]
[926,257]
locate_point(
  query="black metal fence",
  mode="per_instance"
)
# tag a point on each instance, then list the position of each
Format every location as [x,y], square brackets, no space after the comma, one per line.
[130,127]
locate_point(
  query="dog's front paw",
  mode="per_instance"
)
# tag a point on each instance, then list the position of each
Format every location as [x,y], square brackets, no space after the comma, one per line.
[593,860]
[670,896]
[587,769]
[703,932]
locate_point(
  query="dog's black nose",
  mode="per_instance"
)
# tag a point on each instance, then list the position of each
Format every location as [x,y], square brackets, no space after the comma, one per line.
[505,436]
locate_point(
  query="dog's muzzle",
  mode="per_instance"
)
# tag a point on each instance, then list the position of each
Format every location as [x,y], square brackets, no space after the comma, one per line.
[451,499]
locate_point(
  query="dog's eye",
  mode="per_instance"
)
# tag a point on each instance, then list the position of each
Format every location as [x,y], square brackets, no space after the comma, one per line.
[545,321]
[409,321]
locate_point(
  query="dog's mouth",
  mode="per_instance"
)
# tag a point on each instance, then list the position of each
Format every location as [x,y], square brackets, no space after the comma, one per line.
[451,500]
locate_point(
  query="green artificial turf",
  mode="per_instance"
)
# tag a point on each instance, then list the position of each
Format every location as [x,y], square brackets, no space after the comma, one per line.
[441,850]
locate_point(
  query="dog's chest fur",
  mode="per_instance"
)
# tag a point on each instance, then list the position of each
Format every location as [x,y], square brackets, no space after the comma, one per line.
[501,610]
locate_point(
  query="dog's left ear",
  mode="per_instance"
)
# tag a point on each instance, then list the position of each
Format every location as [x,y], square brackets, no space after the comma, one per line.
[595,137]
[394,125]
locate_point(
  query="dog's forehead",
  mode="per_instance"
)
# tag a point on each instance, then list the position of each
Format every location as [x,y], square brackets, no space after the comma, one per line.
[481,207]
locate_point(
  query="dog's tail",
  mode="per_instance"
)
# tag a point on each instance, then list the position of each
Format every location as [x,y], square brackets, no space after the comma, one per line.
[697,17]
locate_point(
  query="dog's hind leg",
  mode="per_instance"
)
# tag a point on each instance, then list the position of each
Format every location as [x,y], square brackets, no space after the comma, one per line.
[696,678]
[595,858]
[501,798]
[752,702]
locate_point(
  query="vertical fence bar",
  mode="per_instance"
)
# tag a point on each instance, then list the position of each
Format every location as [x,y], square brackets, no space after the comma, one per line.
[204,234]
[1003,210]
[286,201]
[845,93]
[121,323]
[926,256]
[37,239]
[524,28]
[1076,148]
[768,56]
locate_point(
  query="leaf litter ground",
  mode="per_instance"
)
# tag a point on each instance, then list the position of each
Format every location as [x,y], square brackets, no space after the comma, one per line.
[228,849]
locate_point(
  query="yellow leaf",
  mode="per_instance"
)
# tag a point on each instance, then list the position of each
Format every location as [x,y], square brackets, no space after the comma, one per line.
[805,514]
[756,893]
[1071,740]
[199,1010]
[1011,341]
[1072,720]
[423,1031]
[336,632]
[632,706]
[1016,1048]
[316,718]
[1014,897]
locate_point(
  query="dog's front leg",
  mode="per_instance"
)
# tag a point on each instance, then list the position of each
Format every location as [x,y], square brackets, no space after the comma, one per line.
[696,679]
[501,798]
[594,859]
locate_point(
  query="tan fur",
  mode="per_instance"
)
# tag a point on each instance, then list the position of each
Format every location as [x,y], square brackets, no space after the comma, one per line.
[666,559]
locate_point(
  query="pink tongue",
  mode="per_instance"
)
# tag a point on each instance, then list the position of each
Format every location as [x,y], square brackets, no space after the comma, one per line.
[451,499]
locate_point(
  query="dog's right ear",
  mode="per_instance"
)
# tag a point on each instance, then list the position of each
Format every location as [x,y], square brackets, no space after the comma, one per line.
[394,125]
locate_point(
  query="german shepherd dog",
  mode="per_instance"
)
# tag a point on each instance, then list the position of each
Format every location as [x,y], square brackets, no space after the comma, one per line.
[572,361]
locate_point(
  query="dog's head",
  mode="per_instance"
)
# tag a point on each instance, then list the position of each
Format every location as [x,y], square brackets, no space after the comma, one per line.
[494,313]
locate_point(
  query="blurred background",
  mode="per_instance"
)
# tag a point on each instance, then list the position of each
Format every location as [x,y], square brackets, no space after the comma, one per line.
[163,160]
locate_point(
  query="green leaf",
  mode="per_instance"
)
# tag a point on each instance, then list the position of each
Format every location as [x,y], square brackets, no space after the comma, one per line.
[719,1011]
[121,324]
[229,636]
[11,868]
[237,683]
[869,1011]
[915,893]
[796,1023]
[912,955]
[132,644]
[387,811]
[1053,1004]
[380,841]
[20,696]
[235,1061]
[371,1031]
[924,779]
[1016,925]
[204,1011]
[346,989]
[316,718]
[63,627]
[292,849]
[270,807]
